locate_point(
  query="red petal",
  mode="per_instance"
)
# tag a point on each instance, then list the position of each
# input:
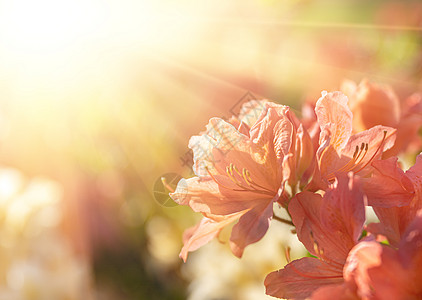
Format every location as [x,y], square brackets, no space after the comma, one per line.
[389,186]
[251,227]
[301,277]
[343,211]
[329,226]
[337,291]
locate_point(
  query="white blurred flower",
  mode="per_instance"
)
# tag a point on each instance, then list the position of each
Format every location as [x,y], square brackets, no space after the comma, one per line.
[214,273]
[36,259]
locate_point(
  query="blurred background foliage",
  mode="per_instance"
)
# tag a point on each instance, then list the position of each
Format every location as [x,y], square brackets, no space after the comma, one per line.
[101,97]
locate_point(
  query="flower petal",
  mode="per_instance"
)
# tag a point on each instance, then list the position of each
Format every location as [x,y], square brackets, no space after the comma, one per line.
[273,129]
[395,220]
[206,196]
[334,118]
[410,248]
[251,227]
[389,186]
[199,235]
[335,291]
[301,277]
[372,105]
[343,210]
[251,111]
[329,226]
[219,138]
[376,271]
[378,139]
[407,134]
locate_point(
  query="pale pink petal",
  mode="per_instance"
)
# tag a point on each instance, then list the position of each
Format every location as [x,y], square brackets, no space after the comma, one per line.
[300,278]
[273,130]
[251,111]
[243,129]
[334,118]
[305,158]
[258,162]
[282,132]
[199,235]
[219,138]
[206,196]
[251,227]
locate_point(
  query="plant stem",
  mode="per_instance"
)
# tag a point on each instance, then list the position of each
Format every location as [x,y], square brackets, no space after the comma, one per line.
[288,222]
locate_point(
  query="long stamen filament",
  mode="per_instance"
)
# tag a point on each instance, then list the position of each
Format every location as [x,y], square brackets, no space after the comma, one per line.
[363,156]
[358,158]
[254,183]
[235,169]
[215,180]
[229,172]
[351,162]
[376,152]
[245,175]
[287,254]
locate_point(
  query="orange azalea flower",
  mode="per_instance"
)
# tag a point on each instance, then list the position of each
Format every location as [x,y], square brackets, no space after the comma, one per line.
[240,174]
[374,104]
[381,272]
[396,197]
[340,151]
[329,226]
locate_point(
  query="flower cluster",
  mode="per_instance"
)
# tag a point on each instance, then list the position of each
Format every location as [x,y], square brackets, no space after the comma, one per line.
[323,169]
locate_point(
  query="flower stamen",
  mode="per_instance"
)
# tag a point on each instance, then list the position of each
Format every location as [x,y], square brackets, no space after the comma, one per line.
[357,159]
[251,186]
[287,254]
[376,152]
[215,180]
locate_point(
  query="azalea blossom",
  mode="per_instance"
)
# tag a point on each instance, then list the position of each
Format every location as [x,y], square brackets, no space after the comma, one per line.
[395,195]
[376,104]
[241,172]
[381,272]
[372,104]
[340,151]
[329,226]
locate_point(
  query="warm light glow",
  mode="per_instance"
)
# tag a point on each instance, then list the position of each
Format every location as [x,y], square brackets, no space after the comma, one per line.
[72,46]
[47,25]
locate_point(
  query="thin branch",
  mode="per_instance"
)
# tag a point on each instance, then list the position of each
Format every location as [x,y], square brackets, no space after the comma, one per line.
[288,222]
